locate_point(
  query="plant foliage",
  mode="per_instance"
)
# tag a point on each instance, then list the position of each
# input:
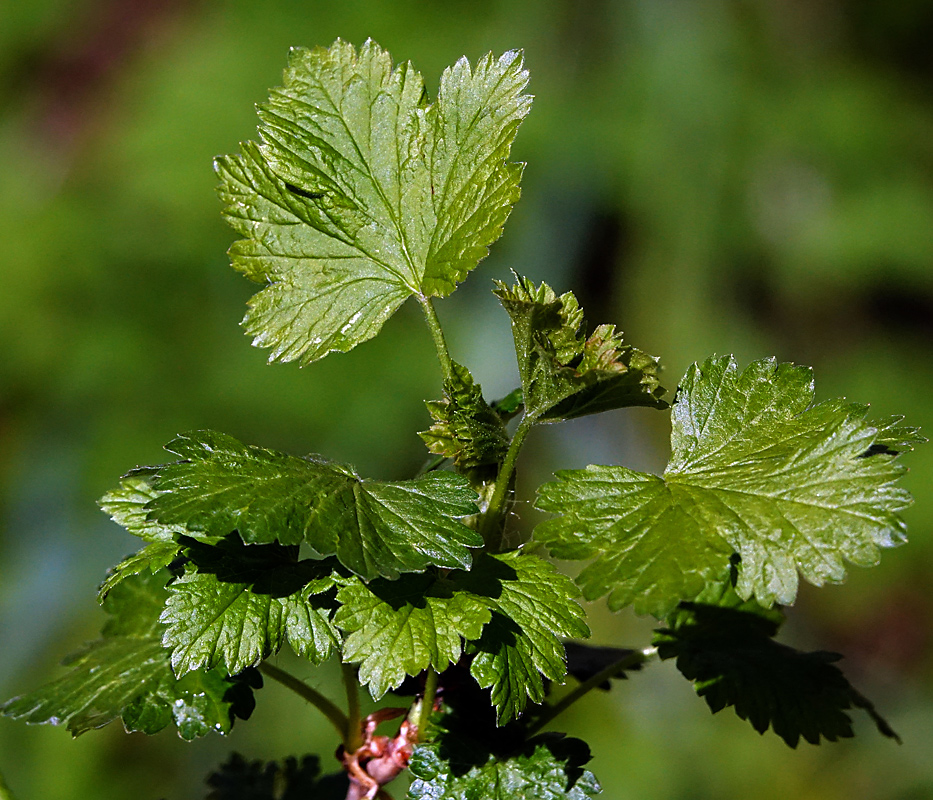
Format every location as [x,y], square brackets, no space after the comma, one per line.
[360,193]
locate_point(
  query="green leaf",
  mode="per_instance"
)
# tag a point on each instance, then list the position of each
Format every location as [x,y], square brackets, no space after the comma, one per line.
[402,627]
[522,645]
[127,674]
[547,768]
[510,405]
[466,428]
[565,375]
[152,557]
[363,194]
[127,505]
[374,528]
[725,646]
[243,603]
[756,469]
[239,779]
[399,628]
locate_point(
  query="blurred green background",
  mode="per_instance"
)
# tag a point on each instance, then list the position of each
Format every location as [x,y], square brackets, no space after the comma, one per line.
[747,177]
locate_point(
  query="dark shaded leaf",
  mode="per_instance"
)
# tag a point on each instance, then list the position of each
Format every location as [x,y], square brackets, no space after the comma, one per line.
[725,646]
[291,779]
[240,603]
[128,674]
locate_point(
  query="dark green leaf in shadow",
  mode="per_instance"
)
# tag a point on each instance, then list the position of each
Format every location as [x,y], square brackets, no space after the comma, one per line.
[240,603]
[724,645]
[128,674]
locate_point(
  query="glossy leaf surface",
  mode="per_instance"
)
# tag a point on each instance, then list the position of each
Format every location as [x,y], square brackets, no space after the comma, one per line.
[756,469]
[372,527]
[363,193]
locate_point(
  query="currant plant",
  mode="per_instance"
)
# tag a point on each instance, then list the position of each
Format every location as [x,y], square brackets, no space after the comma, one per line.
[360,194]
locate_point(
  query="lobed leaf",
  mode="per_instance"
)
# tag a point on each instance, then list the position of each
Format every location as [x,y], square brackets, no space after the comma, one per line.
[756,469]
[512,608]
[372,527]
[725,646]
[565,375]
[400,628]
[362,193]
[127,674]
[534,609]
[243,603]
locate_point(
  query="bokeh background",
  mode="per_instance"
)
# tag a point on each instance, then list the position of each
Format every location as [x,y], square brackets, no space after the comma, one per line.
[724,176]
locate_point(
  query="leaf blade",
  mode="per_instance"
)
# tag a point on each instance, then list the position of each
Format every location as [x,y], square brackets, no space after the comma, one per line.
[362,194]
[238,604]
[564,374]
[725,647]
[127,674]
[374,528]
[756,469]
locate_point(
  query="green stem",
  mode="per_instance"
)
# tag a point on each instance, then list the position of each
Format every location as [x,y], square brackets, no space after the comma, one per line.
[427,702]
[491,524]
[443,354]
[351,683]
[5,792]
[626,662]
[337,718]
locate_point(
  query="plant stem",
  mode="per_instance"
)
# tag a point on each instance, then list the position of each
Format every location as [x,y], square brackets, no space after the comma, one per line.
[5,791]
[427,702]
[354,738]
[626,662]
[337,718]
[491,525]
[443,354]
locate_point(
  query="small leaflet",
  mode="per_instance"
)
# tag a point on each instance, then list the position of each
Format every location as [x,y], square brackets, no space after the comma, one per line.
[566,374]
[466,428]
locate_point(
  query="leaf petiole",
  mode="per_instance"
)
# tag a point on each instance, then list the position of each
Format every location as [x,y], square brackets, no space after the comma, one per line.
[626,662]
[437,332]
[353,739]
[337,718]
[491,524]
[427,702]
